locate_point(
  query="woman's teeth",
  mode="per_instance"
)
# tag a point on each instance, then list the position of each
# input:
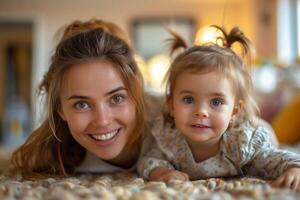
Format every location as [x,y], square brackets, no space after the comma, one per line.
[106,136]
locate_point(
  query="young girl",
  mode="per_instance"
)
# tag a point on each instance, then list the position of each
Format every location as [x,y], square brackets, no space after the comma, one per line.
[210,129]
[95,104]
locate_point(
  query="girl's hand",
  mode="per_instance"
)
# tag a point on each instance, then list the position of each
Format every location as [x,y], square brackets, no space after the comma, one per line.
[165,175]
[290,178]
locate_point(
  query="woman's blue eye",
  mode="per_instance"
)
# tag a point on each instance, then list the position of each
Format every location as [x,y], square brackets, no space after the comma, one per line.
[117,99]
[188,99]
[81,105]
[216,102]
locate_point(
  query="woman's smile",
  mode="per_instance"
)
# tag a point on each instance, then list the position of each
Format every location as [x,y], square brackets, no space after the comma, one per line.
[105,139]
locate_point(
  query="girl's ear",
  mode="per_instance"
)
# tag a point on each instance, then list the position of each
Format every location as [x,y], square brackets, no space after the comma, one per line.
[170,105]
[237,109]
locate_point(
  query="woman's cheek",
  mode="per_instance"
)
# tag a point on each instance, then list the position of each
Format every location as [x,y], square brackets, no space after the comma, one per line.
[129,113]
[78,122]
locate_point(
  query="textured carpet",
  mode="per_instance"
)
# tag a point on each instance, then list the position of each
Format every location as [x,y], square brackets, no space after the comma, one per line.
[129,186]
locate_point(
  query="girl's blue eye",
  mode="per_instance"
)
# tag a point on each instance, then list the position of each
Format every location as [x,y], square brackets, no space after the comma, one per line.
[117,99]
[188,99]
[81,105]
[216,102]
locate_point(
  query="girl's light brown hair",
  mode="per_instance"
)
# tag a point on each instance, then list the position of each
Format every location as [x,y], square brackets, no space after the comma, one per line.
[211,57]
[50,150]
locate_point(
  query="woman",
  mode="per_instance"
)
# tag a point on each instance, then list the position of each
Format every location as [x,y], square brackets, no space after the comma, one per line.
[95,102]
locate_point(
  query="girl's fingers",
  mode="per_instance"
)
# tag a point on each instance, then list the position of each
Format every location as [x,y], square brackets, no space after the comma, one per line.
[165,177]
[186,177]
[295,184]
[180,176]
[288,181]
[173,175]
[278,181]
[298,186]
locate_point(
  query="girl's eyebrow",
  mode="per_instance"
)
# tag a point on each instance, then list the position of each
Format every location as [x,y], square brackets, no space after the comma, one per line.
[107,94]
[185,92]
[220,94]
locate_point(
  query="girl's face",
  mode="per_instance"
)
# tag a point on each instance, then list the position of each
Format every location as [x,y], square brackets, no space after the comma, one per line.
[96,106]
[202,106]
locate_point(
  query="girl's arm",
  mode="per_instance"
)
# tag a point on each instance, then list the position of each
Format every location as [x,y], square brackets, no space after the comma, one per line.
[155,167]
[270,130]
[270,162]
[154,164]
[152,159]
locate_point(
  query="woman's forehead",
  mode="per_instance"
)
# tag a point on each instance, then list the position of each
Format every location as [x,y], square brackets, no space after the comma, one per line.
[88,77]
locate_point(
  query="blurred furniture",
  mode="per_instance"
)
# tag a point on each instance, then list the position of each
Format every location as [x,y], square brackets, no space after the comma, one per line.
[287,122]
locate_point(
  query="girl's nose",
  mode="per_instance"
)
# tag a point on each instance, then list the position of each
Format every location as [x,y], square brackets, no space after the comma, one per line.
[102,116]
[201,111]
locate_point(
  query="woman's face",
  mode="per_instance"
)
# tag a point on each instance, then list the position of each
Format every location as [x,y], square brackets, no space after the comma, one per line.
[97,108]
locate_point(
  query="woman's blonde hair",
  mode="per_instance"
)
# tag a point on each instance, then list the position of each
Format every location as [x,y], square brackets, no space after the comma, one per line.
[221,58]
[50,150]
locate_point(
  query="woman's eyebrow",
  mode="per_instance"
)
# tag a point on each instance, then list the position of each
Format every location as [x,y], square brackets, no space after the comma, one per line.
[107,94]
[116,90]
[77,97]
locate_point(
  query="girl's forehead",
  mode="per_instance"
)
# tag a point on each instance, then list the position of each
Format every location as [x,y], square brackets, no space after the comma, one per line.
[201,74]
[211,81]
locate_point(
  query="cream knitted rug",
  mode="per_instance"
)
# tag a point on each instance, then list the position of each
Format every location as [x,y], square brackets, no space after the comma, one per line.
[129,186]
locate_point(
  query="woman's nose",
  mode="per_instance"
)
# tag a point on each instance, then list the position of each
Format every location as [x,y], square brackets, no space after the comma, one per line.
[102,116]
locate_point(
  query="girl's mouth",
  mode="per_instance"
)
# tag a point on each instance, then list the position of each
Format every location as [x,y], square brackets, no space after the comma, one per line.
[199,126]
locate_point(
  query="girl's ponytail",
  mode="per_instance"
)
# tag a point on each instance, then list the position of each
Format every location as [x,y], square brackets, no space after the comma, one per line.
[236,35]
[176,42]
